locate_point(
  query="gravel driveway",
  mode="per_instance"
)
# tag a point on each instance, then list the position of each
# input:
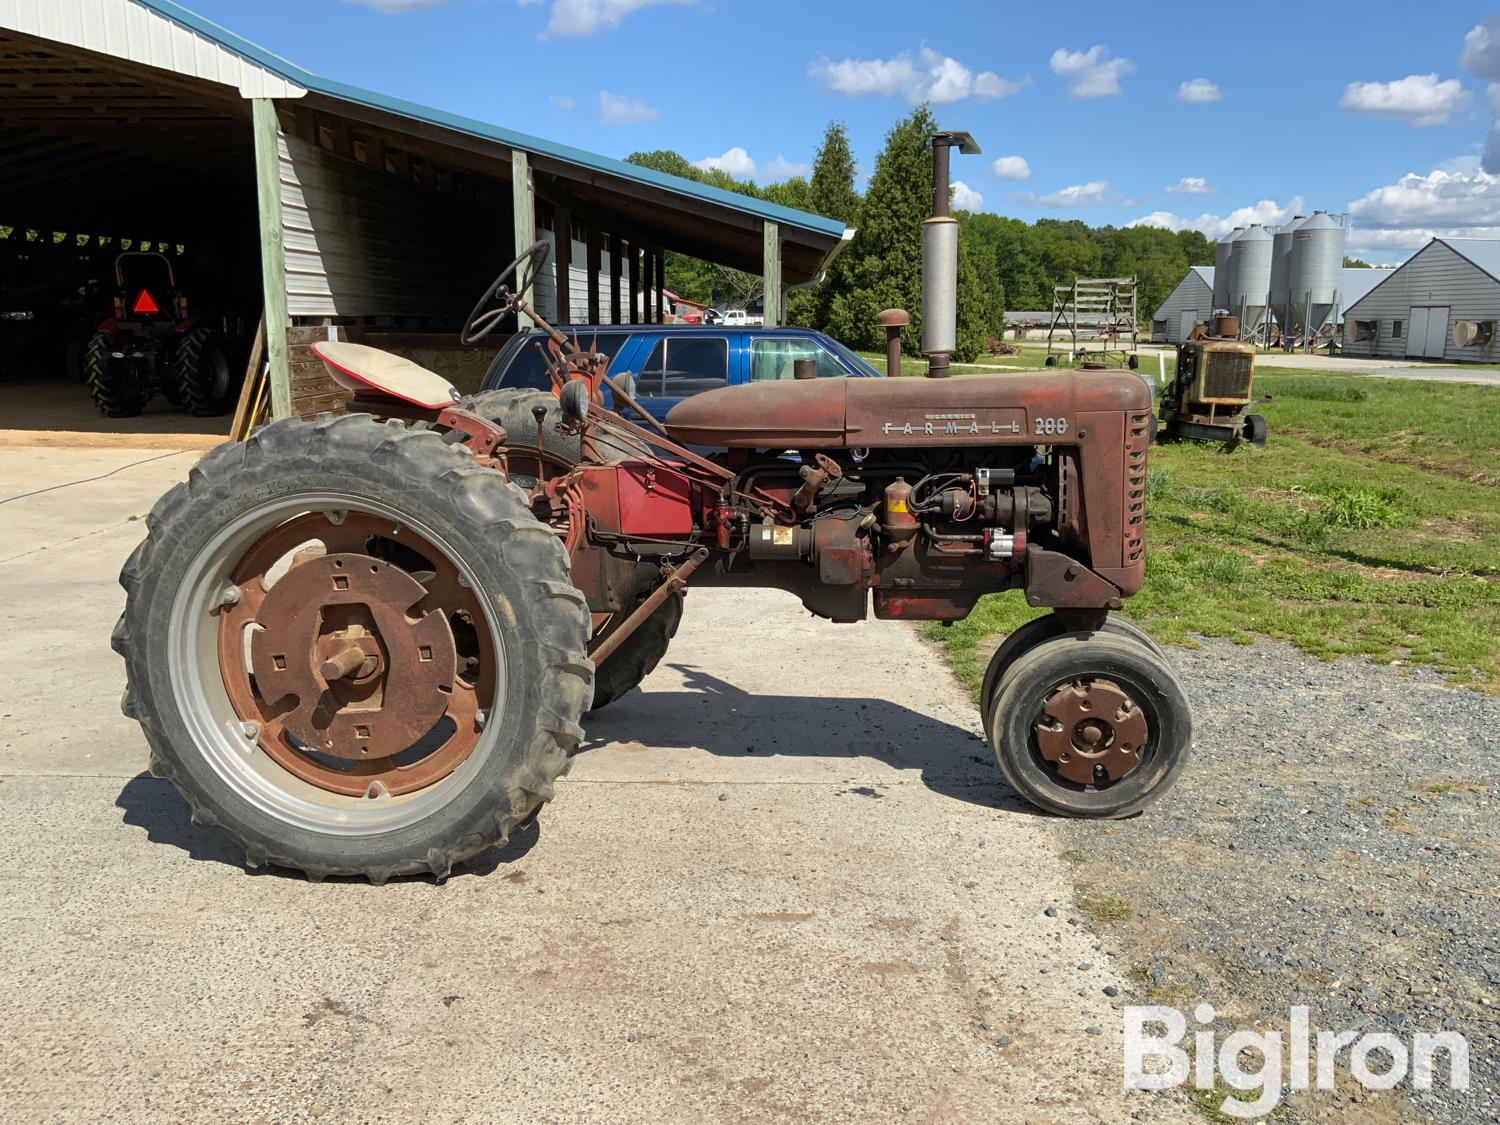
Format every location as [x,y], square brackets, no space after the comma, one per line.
[1334,843]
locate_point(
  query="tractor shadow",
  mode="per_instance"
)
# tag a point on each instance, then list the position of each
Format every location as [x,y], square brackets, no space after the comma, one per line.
[150,803]
[715,716]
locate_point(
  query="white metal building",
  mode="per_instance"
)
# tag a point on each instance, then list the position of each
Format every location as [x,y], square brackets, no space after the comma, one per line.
[1190,302]
[1442,304]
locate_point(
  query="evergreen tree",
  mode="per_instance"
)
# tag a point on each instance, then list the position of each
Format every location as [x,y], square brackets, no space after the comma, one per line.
[831,193]
[884,267]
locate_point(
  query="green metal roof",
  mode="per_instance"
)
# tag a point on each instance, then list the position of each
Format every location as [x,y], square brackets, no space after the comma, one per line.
[772,212]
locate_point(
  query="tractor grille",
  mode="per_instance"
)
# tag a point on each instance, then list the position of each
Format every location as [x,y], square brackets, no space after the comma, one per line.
[1227,375]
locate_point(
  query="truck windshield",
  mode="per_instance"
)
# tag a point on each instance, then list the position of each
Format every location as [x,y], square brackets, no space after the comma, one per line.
[857,365]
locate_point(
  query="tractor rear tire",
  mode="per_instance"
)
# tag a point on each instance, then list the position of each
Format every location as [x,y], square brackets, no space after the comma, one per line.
[201,373]
[348,468]
[513,409]
[114,384]
[1081,662]
[638,655]
[1033,633]
[643,650]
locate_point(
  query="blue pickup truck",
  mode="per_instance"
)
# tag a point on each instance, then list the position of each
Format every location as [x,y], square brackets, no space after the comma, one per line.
[671,362]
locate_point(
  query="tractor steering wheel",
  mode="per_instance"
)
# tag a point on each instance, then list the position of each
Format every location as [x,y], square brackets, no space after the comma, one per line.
[481,322]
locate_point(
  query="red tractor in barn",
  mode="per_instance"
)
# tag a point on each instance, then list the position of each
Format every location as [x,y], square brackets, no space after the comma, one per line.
[151,343]
[365,644]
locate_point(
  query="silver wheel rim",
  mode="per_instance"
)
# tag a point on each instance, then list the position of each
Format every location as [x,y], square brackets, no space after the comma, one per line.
[217,732]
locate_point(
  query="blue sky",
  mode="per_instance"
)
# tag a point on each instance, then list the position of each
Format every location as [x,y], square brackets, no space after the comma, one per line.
[1107,113]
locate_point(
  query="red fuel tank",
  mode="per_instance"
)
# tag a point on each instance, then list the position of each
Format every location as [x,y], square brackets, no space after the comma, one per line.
[1023,409]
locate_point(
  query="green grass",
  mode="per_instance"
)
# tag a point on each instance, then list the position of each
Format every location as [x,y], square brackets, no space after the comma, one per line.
[1370,525]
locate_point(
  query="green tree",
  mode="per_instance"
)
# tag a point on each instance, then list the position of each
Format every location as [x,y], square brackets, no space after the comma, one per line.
[1355,263]
[831,193]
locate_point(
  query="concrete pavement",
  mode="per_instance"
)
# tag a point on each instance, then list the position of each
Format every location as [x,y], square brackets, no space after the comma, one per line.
[784,882]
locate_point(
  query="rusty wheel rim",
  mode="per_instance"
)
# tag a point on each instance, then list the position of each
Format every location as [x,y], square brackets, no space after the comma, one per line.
[335,663]
[1091,732]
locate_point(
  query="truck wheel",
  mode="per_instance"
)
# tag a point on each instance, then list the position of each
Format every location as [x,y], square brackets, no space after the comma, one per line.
[1091,725]
[73,361]
[199,370]
[1033,633]
[115,385]
[354,650]
[638,655]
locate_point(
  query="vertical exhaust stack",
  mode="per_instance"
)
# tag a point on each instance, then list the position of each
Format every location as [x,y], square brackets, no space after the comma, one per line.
[892,321]
[940,260]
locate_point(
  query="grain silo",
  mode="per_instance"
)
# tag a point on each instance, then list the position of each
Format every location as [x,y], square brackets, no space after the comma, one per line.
[1250,277]
[1223,253]
[1281,270]
[1316,272]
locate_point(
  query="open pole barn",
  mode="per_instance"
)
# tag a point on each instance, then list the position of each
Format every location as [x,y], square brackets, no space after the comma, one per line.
[315,208]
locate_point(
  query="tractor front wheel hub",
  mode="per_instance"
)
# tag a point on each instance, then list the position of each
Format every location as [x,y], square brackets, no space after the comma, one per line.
[1091,732]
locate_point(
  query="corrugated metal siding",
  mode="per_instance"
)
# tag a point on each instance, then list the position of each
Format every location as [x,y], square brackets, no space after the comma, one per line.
[1435,275]
[1192,292]
[127,30]
[578,284]
[363,243]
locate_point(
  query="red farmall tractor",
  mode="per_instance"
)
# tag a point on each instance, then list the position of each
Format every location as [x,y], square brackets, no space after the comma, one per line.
[365,644]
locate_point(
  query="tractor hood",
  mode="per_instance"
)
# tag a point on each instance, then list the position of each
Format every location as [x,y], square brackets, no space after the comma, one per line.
[965,410]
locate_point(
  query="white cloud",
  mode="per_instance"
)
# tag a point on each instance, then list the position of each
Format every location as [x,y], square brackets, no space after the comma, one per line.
[584,17]
[783,169]
[1418,99]
[966,198]
[562,101]
[397,7]
[1440,199]
[990,85]
[742,166]
[1077,195]
[927,76]
[1191,185]
[1267,212]
[1011,168]
[736,162]
[1197,91]
[1481,53]
[616,109]
[1091,73]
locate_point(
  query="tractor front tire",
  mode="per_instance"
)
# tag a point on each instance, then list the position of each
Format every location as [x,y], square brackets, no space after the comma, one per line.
[1033,633]
[114,384]
[310,492]
[201,374]
[1091,725]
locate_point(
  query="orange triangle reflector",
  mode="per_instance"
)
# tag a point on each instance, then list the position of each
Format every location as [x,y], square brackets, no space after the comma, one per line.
[145,304]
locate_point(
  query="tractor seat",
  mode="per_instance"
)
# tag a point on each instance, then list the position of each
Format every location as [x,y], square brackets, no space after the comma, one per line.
[366,370]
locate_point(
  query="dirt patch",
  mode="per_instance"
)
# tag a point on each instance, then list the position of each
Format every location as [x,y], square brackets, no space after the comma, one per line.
[1455,531]
[1471,472]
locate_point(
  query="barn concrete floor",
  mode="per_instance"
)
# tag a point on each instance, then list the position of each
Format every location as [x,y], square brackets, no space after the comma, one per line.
[783,882]
[54,412]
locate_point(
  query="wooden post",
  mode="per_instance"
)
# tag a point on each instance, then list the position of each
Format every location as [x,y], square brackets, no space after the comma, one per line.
[615,265]
[771,275]
[562,245]
[633,252]
[272,251]
[523,205]
[591,235]
[661,283]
